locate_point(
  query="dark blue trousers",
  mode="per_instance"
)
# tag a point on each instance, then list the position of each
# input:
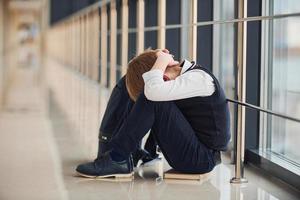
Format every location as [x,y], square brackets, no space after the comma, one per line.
[117,110]
[174,135]
[126,123]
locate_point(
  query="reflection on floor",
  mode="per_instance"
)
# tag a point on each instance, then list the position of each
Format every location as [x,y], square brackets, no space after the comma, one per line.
[39,154]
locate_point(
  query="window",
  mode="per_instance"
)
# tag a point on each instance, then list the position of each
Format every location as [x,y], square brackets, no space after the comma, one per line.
[280,81]
[173,35]
[223,54]
[119,41]
[151,20]
[132,24]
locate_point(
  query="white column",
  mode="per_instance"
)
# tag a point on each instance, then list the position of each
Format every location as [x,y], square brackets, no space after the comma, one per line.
[193,31]
[140,26]
[124,46]
[161,23]
[113,43]
[184,36]
[103,45]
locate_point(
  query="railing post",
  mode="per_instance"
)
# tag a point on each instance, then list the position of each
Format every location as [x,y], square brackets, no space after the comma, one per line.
[140,26]
[103,49]
[241,85]
[124,18]
[113,43]
[161,39]
[193,30]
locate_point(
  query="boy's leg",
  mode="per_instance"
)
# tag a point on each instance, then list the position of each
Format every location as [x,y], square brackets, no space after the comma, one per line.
[172,131]
[174,135]
[118,106]
[178,141]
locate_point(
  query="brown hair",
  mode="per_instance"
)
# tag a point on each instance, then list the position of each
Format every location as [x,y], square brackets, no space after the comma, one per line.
[136,67]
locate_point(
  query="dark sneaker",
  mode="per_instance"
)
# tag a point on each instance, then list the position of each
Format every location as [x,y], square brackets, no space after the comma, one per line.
[105,167]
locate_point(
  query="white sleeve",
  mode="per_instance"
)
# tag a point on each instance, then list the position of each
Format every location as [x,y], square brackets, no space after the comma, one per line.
[190,84]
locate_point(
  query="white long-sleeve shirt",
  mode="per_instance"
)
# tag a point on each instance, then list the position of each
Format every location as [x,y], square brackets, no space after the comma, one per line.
[188,84]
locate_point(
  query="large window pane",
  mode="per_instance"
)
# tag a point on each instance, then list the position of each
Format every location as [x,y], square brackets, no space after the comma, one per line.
[119,39]
[223,48]
[285,7]
[173,42]
[173,12]
[150,40]
[281,66]
[132,24]
[224,10]
[173,35]
[223,62]
[283,86]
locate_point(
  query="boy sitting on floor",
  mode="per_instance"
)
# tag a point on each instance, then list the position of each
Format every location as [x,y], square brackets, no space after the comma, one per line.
[183,105]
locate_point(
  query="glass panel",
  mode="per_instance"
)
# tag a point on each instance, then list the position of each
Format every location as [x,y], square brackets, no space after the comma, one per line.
[224,10]
[204,46]
[119,13]
[151,13]
[131,45]
[132,13]
[118,57]
[173,42]
[285,7]
[224,56]
[119,39]
[223,62]
[283,86]
[223,46]
[151,39]
[173,11]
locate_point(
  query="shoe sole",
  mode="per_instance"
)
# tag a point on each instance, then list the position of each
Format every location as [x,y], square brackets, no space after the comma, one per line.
[130,175]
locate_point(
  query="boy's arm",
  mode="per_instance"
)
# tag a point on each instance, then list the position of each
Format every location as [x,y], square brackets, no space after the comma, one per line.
[164,59]
[190,84]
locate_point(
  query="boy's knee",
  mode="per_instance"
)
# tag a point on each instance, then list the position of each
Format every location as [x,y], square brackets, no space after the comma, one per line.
[164,105]
[158,106]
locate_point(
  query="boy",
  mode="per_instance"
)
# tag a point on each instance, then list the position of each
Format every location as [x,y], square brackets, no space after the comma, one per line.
[184,106]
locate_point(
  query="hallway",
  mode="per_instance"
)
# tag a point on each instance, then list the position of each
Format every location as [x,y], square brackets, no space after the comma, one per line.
[29,162]
[39,153]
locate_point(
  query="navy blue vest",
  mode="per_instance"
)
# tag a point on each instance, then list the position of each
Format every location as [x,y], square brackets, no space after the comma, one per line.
[208,116]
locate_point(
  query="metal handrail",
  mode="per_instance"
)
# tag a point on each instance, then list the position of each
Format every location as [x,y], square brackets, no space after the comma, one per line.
[99,4]
[239,166]
[248,105]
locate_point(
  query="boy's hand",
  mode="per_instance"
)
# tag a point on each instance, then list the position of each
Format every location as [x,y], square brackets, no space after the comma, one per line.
[164,59]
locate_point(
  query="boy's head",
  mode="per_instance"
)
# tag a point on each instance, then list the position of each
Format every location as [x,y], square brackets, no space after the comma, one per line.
[136,68]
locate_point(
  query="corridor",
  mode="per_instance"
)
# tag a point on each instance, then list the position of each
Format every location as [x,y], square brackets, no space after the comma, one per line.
[61,59]
[39,154]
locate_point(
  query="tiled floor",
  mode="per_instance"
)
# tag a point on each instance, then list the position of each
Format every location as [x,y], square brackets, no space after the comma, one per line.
[38,154]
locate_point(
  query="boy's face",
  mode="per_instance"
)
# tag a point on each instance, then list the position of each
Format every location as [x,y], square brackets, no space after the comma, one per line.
[172,72]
